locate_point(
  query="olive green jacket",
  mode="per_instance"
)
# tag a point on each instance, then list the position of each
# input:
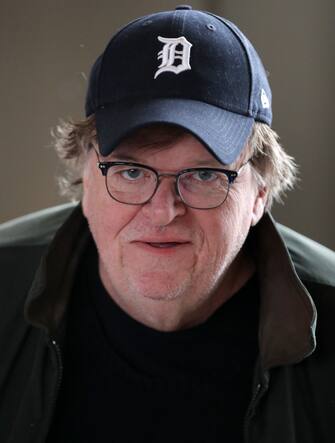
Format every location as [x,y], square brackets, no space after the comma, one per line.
[293,397]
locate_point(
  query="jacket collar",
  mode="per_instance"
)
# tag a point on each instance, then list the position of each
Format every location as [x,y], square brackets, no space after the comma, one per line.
[287,312]
[50,292]
[288,315]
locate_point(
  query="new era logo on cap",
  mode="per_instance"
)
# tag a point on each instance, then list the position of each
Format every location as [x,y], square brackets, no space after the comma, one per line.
[264,99]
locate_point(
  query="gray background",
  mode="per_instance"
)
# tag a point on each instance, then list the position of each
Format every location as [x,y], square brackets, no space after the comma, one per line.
[47,48]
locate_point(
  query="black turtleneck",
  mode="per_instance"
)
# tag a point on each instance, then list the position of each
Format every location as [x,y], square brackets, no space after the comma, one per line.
[125,382]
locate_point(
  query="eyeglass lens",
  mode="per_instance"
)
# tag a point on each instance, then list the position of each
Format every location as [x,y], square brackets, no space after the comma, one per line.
[201,188]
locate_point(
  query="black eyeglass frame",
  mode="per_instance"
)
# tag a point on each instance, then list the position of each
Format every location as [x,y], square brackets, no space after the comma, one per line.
[231,175]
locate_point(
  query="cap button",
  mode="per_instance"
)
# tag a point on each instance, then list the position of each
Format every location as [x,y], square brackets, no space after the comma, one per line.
[188,7]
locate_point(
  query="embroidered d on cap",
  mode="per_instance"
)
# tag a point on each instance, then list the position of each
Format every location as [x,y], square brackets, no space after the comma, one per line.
[174,59]
[183,67]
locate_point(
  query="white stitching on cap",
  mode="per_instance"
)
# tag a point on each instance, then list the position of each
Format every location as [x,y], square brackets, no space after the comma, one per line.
[169,54]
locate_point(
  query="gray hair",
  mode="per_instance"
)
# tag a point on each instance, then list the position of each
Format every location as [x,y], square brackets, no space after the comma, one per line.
[273,168]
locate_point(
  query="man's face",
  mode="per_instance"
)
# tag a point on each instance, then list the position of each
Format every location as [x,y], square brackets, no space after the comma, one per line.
[163,258]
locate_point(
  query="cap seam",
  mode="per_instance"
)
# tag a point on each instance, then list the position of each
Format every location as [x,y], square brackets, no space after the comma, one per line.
[226,23]
[112,40]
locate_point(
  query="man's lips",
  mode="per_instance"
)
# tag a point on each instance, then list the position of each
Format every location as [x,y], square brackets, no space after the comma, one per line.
[164,245]
[161,244]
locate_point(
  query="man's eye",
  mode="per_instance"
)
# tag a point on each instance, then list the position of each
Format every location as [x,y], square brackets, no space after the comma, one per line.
[205,176]
[132,174]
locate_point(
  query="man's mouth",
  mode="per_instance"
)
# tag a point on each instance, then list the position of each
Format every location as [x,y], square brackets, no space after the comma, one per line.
[165,245]
[162,245]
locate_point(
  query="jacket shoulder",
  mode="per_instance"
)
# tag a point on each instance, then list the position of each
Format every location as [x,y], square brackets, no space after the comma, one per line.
[313,261]
[23,242]
[37,228]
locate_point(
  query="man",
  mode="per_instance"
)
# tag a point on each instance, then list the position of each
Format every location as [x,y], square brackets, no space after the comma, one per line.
[168,305]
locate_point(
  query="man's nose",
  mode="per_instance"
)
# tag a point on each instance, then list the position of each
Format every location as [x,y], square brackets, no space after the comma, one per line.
[165,205]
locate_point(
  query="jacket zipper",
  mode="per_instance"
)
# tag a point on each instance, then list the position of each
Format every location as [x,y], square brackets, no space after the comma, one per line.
[58,353]
[257,394]
[56,349]
[250,412]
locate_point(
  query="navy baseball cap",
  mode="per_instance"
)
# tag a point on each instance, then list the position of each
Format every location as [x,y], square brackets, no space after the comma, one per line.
[184,67]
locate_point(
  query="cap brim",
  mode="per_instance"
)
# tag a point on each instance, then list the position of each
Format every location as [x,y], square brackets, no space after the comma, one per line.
[223,132]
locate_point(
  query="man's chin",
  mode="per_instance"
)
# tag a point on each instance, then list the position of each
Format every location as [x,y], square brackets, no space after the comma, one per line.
[160,286]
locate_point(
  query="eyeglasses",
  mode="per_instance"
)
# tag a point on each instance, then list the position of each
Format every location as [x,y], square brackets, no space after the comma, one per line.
[198,188]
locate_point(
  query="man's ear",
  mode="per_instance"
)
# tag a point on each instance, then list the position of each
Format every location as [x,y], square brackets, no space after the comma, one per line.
[259,205]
